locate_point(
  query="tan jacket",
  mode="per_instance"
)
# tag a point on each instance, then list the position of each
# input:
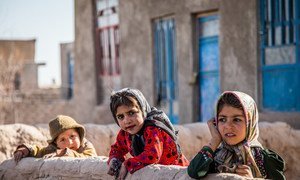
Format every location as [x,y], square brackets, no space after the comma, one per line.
[85,150]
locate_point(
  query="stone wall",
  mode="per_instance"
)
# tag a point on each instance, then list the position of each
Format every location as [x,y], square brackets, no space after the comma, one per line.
[90,168]
[279,137]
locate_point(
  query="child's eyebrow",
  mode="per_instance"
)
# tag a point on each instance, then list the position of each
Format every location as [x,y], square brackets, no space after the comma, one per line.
[236,115]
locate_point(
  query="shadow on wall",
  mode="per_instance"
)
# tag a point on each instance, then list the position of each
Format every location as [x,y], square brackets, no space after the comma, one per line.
[279,137]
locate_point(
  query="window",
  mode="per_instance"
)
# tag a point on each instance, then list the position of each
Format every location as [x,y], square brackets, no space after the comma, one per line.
[107,37]
[17,81]
[280,54]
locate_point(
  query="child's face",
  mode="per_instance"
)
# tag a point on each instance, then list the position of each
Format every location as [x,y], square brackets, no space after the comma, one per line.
[232,125]
[130,118]
[68,139]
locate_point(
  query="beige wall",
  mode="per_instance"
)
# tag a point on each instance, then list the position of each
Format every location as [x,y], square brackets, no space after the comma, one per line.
[20,51]
[18,56]
[238,43]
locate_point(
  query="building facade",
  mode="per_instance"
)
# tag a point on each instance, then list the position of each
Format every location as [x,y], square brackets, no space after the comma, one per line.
[183,54]
[17,67]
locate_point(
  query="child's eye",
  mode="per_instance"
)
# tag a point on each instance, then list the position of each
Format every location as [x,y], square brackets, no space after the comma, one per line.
[237,119]
[72,136]
[131,113]
[120,117]
[222,120]
[62,140]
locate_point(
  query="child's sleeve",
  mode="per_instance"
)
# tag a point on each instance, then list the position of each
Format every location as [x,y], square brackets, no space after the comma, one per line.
[119,149]
[152,151]
[274,165]
[38,151]
[202,163]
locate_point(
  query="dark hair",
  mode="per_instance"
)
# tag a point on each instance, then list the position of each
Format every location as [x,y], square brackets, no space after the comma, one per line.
[229,99]
[122,98]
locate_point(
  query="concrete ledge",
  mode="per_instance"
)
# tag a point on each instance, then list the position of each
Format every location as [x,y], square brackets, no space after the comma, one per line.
[90,168]
[278,136]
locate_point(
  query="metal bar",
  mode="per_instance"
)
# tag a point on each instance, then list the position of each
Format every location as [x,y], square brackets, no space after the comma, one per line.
[283,19]
[272,21]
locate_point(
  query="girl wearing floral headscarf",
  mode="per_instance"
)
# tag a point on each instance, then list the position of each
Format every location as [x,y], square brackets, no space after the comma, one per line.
[142,134]
[234,147]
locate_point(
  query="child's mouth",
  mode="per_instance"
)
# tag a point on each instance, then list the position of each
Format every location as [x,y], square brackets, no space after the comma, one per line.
[229,135]
[130,127]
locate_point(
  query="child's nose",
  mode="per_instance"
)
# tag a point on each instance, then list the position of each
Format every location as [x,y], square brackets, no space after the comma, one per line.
[229,124]
[70,141]
[127,119]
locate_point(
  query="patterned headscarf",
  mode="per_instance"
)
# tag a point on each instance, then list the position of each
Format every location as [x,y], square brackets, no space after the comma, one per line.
[230,156]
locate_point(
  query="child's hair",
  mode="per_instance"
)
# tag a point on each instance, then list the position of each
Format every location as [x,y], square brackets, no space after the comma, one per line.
[229,99]
[122,98]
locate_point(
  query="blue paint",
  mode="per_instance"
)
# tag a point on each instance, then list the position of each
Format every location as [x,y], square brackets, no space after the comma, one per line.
[209,80]
[280,82]
[165,66]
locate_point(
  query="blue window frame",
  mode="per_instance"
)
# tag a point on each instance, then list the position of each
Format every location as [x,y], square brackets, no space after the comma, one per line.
[165,66]
[280,54]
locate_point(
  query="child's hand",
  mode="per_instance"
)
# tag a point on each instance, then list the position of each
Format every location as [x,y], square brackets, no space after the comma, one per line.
[57,153]
[61,152]
[20,153]
[51,155]
[244,170]
[114,167]
[216,136]
[123,172]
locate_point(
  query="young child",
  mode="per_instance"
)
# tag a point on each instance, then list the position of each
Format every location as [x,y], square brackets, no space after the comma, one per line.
[67,139]
[147,144]
[235,127]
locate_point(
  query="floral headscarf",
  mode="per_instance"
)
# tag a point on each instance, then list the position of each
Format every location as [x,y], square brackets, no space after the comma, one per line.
[230,156]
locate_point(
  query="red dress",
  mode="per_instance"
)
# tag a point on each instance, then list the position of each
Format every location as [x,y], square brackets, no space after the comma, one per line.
[159,149]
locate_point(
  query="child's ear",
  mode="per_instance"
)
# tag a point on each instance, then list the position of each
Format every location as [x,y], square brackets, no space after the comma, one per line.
[215,122]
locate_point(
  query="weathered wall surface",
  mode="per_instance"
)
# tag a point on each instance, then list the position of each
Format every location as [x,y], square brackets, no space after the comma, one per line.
[279,137]
[91,168]
[84,69]
[43,105]
[238,47]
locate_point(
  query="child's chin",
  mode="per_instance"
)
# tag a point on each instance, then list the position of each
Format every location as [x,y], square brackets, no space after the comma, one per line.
[132,132]
[231,143]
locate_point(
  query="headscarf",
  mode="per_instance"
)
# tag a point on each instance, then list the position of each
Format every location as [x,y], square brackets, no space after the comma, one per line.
[136,94]
[148,112]
[229,157]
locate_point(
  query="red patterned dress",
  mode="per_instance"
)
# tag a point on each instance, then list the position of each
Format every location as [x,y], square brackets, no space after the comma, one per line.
[159,149]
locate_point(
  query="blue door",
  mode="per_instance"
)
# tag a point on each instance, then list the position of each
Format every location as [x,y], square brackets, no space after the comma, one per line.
[166,67]
[209,81]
